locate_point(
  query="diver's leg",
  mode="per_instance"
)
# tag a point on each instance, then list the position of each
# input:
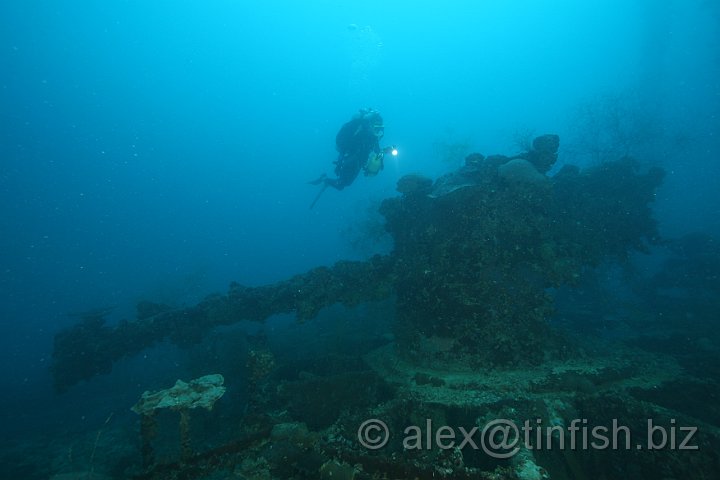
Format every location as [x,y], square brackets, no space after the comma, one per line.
[319,180]
[347,172]
[336,183]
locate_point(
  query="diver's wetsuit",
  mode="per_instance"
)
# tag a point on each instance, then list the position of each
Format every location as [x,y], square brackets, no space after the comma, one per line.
[354,142]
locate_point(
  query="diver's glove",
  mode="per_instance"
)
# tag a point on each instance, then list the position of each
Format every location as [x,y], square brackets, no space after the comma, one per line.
[392,149]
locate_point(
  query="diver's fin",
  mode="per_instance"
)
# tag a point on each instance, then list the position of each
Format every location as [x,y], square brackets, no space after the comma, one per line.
[317,197]
[319,180]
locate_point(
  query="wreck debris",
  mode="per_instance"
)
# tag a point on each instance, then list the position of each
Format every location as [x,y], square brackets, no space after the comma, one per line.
[474,255]
[202,392]
[91,347]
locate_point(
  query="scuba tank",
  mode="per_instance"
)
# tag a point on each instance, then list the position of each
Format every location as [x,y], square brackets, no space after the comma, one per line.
[375,160]
[374,164]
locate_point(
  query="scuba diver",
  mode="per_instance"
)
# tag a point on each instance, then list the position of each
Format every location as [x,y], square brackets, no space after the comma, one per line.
[358,146]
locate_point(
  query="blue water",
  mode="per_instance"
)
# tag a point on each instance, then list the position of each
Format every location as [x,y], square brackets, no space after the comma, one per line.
[161,149]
